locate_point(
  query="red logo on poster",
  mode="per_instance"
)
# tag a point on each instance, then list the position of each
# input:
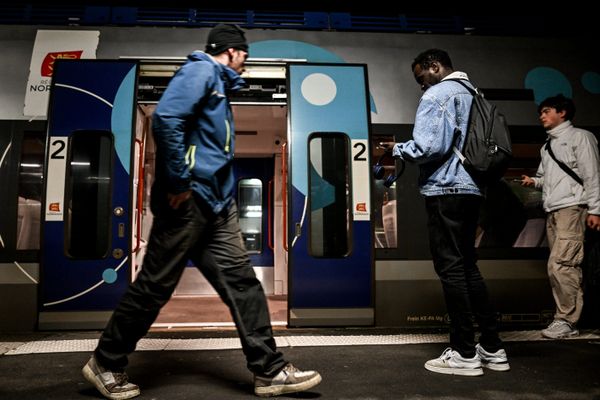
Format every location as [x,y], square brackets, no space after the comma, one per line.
[48,63]
[54,207]
[361,207]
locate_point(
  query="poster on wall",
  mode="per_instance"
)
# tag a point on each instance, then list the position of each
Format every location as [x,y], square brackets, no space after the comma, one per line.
[50,46]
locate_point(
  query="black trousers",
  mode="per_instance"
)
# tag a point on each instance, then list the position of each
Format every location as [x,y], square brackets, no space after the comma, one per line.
[214,243]
[452,227]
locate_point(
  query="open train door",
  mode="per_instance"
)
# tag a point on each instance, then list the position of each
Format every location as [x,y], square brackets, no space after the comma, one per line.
[330,250]
[88,198]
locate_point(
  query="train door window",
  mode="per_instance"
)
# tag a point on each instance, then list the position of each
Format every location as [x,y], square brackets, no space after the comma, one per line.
[384,198]
[30,190]
[89,187]
[250,199]
[329,195]
[399,219]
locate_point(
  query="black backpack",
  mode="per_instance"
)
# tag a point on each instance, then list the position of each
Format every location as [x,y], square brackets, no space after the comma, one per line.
[487,149]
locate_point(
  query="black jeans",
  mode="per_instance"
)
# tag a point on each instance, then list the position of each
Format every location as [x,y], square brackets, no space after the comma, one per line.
[214,244]
[452,226]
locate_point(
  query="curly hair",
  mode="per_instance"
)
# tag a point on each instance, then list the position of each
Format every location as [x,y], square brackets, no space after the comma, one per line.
[428,57]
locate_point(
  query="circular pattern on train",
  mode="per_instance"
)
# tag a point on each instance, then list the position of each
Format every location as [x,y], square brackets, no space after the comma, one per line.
[318,89]
[547,82]
[109,275]
[591,82]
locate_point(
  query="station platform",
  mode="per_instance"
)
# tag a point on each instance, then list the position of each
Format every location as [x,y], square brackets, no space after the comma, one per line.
[355,363]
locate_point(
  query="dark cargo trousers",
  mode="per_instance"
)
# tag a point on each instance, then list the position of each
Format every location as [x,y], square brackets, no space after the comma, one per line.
[214,244]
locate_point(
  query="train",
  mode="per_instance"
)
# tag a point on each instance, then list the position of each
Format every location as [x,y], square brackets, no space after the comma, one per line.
[341,247]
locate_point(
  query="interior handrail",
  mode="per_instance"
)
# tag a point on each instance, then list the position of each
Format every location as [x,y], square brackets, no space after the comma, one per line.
[270,216]
[284,193]
[140,196]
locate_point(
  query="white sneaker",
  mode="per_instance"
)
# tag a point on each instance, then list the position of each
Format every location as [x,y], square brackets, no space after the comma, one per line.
[451,362]
[289,380]
[559,329]
[497,361]
[112,385]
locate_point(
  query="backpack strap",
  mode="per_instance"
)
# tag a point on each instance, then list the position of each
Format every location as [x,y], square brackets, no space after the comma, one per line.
[562,165]
[455,149]
[461,81]
[457,132]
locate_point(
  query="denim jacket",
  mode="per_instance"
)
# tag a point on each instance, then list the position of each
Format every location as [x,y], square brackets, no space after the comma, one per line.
[442,109]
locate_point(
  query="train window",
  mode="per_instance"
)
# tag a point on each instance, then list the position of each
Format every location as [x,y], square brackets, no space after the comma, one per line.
[512,215]
[329,195]
[512,220]
[88,197]
[384,198]
[30,190]
[250,192]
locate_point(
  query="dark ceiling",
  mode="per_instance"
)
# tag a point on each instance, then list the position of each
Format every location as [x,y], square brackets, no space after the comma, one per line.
[367,16]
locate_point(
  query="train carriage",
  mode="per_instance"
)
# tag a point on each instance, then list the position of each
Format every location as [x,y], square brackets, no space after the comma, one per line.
[334,245]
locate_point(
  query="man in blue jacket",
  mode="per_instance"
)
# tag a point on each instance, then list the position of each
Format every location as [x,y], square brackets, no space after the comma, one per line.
[195,217]
[452,202]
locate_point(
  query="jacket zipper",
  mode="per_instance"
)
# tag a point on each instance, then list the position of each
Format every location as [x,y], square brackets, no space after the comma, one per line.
[228,137]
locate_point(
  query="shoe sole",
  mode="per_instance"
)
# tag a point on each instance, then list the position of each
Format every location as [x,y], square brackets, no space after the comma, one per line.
[276,390]
[455,371]
[89,375]
[563,336]
[497,366]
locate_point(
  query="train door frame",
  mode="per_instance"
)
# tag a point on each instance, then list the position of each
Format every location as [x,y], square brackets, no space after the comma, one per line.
[21,167]
[67,277]
[154,75]
[55,320]
[329,289]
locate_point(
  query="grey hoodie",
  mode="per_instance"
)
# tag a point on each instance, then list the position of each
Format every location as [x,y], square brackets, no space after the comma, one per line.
[578,149]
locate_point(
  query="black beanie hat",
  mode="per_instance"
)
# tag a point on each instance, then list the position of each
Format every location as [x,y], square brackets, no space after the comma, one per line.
[225,36]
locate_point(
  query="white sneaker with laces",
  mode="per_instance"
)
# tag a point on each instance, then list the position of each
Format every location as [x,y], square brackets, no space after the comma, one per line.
[497,361]
[451,362]
[559,329]
[112,385]
[289,380]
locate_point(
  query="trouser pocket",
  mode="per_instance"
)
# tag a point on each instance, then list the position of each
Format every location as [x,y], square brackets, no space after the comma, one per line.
[568,252]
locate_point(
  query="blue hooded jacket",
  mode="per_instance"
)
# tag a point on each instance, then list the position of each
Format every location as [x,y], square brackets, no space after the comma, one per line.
[194,133]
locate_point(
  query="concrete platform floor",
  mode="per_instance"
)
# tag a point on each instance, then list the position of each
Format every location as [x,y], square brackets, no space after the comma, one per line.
[358,364]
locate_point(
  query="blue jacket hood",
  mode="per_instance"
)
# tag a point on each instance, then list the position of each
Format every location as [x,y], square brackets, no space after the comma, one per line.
[233,81]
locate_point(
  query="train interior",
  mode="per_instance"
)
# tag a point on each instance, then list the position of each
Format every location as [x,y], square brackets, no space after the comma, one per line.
[261,133]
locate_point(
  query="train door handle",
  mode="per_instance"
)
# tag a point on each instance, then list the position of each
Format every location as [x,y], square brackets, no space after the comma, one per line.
[298,229]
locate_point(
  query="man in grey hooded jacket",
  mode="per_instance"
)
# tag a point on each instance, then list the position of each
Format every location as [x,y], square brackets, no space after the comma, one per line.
[570,206]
